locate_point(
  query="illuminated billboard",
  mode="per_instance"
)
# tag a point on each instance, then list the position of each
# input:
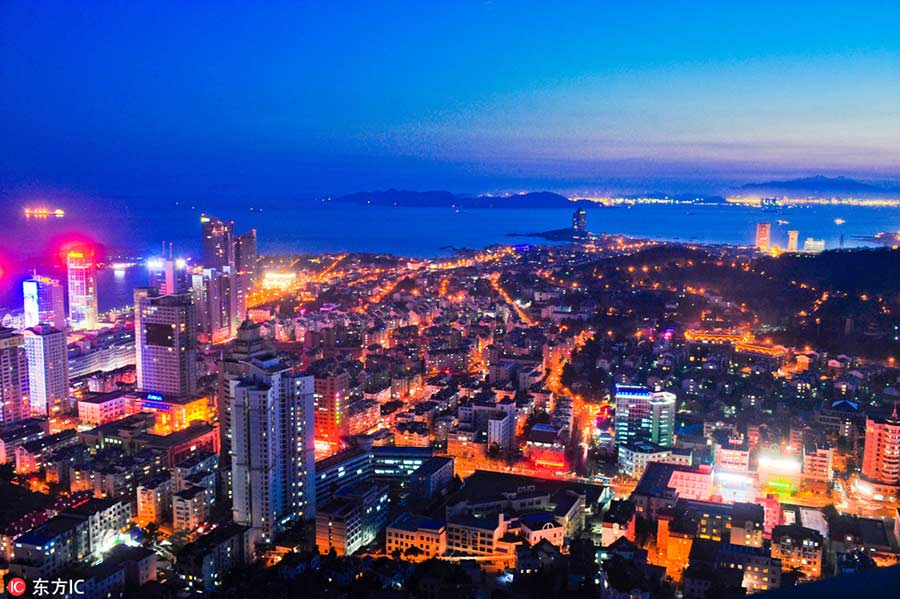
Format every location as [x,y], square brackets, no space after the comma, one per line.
[32,309]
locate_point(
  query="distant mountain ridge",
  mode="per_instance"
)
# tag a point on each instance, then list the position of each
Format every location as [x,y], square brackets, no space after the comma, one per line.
[820,184]
[446,199]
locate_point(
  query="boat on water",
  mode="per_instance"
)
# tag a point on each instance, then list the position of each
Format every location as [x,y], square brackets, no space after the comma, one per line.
[41,212]
[770,205]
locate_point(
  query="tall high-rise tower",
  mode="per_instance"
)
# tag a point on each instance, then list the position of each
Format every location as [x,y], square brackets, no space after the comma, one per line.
[763,236]
[579,221]
[272,445]
[13,377]
[235,364]
[245,258]
[44,302]
[218,242]
[166,341]
[48,370]
[221,303]
[83,310]
[168,274]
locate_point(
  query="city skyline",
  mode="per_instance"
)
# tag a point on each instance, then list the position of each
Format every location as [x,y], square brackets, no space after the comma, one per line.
[510,407]
[477,299]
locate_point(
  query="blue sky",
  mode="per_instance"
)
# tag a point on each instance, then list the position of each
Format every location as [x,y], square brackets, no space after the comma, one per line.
[143,98]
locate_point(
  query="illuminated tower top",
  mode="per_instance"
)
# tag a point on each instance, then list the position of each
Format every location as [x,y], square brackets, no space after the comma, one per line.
[218,242]
[83,310]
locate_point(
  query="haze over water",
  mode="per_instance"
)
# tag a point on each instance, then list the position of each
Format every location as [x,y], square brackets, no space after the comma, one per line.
[321,227]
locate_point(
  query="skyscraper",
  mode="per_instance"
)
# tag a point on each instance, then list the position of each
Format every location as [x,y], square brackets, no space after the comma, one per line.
[44,302]
[220,304]
[169,275]
[218,242]
[272,445]
[642,415]
[83,311]
[48,370]
[235,364]
[793,241]
[245,258]
[579,221]
[166,341]
[763,236]
[13,377]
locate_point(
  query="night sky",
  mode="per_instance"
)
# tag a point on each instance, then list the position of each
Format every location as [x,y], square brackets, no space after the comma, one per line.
[203,98]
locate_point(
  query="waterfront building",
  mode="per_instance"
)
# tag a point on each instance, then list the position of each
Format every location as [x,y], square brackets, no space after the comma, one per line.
[814,246]
[44,302]
[169,275]
[579,221]
[793,241]
[82,274]
[763,236]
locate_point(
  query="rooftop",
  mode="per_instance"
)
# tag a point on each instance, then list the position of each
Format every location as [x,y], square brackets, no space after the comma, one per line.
[179,437]
[432,465]
[486,485]
[219,535]
[190,493]
[92,506]
[333,461]
[411,523]
[102,397]
[538,520]
[50,530]
[620,512]
[489,523]
[49,440]
[655,480]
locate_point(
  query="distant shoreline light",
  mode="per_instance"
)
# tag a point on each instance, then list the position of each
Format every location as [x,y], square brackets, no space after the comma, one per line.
[42,212]
[864,202]
[749,201]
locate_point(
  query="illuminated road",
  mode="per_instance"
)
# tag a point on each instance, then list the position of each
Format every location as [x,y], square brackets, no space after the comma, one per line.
[494,278]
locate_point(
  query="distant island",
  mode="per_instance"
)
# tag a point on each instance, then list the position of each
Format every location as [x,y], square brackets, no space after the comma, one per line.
[554,235]
[807,187]
[820,185]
